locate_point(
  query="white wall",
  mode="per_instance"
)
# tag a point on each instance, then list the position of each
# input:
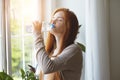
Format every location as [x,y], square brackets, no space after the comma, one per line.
[115,39]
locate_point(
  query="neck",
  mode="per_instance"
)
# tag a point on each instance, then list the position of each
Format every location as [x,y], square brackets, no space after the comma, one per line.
[58,39]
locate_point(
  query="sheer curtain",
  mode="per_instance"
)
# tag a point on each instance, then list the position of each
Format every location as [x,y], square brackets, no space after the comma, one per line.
[1,63]
[5,51]
[97,43]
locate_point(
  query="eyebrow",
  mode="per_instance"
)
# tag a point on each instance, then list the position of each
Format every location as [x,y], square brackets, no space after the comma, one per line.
[58,17]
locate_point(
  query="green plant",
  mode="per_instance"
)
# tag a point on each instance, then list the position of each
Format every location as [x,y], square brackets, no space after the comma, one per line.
[25,75]
[28,75]
[5,76]
[82,46]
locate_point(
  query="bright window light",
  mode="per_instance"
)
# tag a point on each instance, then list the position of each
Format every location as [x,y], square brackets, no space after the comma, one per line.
[22,15]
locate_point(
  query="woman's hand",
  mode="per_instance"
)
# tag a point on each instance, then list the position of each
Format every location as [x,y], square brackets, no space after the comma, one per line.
[37,27]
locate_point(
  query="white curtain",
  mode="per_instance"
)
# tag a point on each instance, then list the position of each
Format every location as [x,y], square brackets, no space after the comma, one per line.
[5,59]
[97,47]
[0,35]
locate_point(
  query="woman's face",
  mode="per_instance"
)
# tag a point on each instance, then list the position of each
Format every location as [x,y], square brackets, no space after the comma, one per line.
[58,20]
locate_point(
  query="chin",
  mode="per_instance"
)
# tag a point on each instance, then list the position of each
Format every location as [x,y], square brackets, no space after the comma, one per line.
[52,32]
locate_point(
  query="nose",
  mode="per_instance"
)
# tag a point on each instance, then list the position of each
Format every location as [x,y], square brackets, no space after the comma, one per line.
[53,21]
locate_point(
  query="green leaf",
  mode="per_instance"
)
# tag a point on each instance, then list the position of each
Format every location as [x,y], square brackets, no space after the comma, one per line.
[22,73]
[5,76]
[82,46]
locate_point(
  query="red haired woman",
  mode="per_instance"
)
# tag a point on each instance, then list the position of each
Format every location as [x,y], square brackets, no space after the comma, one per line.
[59,58]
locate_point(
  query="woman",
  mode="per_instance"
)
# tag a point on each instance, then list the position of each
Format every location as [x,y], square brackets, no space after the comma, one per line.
[60,58]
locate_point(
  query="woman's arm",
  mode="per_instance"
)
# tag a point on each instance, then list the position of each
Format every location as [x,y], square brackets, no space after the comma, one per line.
[59,63]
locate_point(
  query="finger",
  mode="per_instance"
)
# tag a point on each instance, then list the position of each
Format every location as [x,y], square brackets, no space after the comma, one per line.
[34,23]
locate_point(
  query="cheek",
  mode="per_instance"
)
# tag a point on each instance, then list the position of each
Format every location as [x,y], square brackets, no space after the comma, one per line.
[60,28]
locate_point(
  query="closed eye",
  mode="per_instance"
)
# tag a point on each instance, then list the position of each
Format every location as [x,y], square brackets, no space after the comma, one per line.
[60,19]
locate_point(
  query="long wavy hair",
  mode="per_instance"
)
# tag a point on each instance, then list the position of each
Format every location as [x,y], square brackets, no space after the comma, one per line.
[72,27]
[70,34]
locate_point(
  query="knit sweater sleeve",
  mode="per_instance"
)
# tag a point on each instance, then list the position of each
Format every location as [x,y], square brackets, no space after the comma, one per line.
[47,65]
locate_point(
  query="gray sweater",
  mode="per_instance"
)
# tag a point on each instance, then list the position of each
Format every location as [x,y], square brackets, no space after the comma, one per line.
[68,63]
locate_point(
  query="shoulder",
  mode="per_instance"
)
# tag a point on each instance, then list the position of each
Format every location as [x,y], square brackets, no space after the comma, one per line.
[71,50]
[73,47]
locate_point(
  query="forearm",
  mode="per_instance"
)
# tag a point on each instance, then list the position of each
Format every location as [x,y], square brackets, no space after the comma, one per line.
[39,43]
[42,58]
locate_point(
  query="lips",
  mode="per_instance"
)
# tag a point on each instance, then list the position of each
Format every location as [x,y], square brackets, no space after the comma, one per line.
[52,26]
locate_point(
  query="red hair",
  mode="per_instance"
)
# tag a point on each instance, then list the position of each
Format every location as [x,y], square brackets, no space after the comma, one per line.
[69,37]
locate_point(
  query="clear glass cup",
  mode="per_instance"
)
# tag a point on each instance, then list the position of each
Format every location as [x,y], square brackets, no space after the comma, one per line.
[46,26]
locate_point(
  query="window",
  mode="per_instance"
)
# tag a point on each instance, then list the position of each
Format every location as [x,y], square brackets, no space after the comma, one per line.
[22,13]
[16,41]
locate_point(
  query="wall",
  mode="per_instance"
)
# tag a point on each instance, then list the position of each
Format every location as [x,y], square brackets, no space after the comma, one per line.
[115,39]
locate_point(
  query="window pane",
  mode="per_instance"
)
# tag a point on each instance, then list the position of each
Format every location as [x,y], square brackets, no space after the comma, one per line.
[22,13]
